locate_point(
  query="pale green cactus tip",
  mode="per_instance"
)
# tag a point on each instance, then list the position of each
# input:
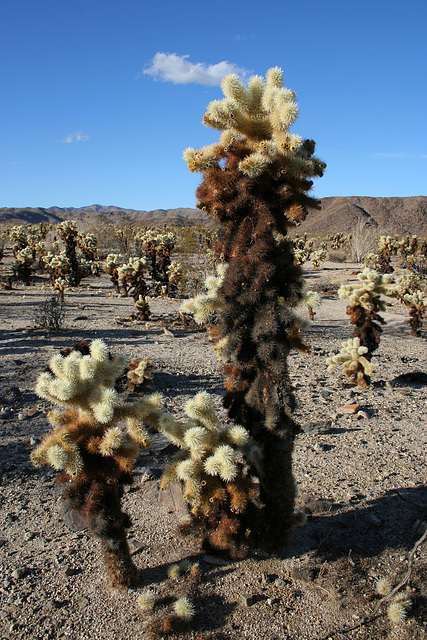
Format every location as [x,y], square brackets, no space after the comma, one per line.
[184,608]
[368,293]
[202,306]
[351,356]
[207,449]
[261,114]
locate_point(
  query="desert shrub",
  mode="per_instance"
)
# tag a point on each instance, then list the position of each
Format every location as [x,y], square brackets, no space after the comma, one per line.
[360,241]
[49,314]
[337,255]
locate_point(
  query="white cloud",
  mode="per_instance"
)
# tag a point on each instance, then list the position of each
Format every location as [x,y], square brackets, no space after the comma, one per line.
[76,137]
[171,67]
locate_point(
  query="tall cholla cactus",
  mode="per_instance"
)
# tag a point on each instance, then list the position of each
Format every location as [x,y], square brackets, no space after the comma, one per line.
[94,453]
[69,234]
[366,300]
[213,466]
[255,184]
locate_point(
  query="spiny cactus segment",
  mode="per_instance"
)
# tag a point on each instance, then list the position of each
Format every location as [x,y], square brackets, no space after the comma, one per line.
[91,448]
[213,466]
[355,365]
[369,292]
[260,116]
[202,306]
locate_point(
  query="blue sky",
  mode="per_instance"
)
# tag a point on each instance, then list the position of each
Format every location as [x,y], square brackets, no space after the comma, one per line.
[101,97]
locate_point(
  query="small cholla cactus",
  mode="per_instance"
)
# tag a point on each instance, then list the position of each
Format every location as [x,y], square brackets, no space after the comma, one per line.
[174,273]
[302,249]
[417,303]
[310,299]
[409,290]
[317,257]
[111,265]
[88,246]
[60,285]
[368,294]
[142,305]
[158,248]
[24,260]
[87,444]
[365,303]
[57,265]
[213,467]
[356,366]
[139,372]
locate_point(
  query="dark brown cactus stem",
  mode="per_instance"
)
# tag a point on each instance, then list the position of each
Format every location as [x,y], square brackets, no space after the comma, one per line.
[70,252]
[97,504]
[416,317]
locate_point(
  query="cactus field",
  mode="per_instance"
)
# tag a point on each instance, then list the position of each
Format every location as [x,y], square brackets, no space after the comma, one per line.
[359,455]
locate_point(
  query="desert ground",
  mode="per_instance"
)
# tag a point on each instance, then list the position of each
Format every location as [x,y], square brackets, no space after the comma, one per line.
[360,471]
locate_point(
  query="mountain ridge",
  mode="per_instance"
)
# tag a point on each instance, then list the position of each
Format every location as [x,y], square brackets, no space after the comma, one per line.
[392,215]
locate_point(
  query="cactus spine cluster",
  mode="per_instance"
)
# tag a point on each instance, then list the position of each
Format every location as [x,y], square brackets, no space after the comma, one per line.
[213,466]
[87,444]
[255,183]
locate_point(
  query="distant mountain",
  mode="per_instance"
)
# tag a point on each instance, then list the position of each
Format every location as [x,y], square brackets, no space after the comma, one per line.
[99,214]
[401,216]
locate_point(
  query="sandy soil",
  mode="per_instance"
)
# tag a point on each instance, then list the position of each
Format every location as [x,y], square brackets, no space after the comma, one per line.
[361,480]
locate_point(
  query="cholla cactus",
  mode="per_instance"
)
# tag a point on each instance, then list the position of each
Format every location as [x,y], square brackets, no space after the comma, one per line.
[417,302]
[386,249]
[158,247]
[310,299]
[88,245]
[409,290]
[60,285]
[18,236]
[368,294]
[69,234]
[213,467]
[139,372]
[95,454]
[58,266]
[302,249]
[131,277]
[261,116]
[24,260]
[174,272]
[111,265]
[201,307]
[365,303]
[317,257]
[142,306]
[352,356]
[255,183]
